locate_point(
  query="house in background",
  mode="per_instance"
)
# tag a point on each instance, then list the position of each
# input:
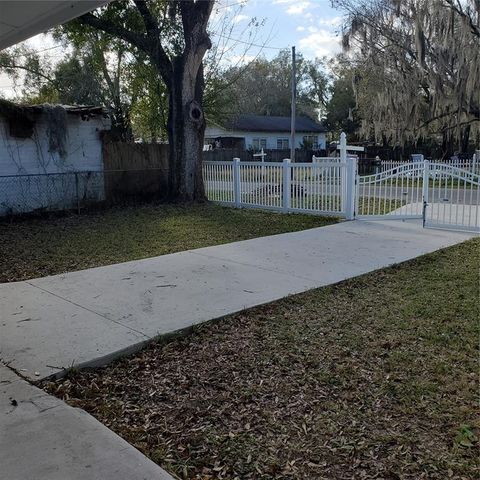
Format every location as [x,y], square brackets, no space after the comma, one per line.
[254,132]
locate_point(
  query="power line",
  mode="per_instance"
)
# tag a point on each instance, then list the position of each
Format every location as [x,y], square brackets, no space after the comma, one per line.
[49,48]
[40,51]
[231,5]
[247,43]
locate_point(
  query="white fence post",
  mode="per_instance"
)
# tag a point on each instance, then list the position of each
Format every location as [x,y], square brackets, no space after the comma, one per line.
[349,172]
[350,177]
[286,170]
[425,180]
[425,185]
[343,147]
[236,181]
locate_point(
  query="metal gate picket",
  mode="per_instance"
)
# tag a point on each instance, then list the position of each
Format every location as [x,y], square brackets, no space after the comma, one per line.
[442,195]
[392,194]
[451,198]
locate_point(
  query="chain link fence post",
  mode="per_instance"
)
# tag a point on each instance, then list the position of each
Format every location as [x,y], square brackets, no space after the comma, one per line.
[77,194]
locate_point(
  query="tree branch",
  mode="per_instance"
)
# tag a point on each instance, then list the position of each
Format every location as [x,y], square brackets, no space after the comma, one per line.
[35,72]
[461,124]
[195,17]
[151,25]
[155,49]
[448,114]
[150,43]
[475,29]
[133,38]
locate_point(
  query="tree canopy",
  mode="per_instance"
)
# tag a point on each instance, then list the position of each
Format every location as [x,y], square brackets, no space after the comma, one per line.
[410,71]
[342,111]
[417,68]
[263,87]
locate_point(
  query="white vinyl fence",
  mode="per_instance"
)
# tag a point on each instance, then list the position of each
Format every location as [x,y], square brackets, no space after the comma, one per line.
[390,164]
[471,165]
[396,193]
[321,188]
[443,195]
[451,198]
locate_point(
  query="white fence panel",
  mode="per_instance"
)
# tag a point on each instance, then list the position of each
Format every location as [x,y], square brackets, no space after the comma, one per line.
[218,178]
[452,198]
[395,193]
[472,165]
[387,165]
[318,188]
[325,159]
[261,185]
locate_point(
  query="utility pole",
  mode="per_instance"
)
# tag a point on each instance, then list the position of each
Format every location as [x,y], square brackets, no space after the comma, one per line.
[294,96]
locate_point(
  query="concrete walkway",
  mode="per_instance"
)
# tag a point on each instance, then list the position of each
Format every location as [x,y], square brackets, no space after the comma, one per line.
[92,316]
[41,438]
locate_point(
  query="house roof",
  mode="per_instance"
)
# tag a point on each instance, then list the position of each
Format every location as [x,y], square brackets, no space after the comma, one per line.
[262,123]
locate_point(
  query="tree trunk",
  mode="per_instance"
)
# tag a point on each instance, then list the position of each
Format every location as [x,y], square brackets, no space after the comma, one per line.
[186,128]
[465,139]
[183,75]
[121,125]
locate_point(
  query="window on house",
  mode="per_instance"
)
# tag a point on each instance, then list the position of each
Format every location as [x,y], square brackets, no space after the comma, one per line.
[282,144]
[311,141]
[259,143]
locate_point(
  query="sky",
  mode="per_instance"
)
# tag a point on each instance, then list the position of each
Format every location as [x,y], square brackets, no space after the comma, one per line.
[311,25]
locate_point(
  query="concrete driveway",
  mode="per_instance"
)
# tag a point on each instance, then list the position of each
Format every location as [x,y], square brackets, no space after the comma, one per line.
[92,316]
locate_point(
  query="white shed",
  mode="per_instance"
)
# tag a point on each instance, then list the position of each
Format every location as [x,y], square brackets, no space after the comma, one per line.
[43,149]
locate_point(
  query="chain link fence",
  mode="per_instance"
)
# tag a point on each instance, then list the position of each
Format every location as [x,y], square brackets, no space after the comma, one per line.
[50,192]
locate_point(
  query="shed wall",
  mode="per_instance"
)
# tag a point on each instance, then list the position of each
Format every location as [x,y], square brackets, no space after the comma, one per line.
[34,178]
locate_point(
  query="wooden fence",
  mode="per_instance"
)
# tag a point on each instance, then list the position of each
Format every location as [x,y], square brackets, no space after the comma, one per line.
[135,171]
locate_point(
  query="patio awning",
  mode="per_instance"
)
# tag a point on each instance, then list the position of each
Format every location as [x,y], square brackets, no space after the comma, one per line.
[20,20]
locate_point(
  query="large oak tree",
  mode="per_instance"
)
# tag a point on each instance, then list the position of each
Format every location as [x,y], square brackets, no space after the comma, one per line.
[173,34]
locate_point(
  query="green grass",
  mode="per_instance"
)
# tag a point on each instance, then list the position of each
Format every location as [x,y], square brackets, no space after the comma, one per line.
[43,246]
[378,206]
[375,377]
[331,203]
